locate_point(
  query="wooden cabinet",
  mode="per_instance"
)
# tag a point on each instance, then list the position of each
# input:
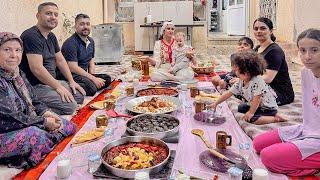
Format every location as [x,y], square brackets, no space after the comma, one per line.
[180,12]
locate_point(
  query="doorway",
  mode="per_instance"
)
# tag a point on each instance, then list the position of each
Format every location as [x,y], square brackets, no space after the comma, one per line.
[236,18]
[227,17]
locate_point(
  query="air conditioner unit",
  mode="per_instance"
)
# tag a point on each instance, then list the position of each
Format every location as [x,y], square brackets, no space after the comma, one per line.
[108,43]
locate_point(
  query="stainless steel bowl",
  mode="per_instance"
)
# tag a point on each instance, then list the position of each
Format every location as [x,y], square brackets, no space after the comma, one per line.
[158,135]
[138,139]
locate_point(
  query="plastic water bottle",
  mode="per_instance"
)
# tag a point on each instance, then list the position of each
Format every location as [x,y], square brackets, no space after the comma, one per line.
[108,134]
[244,150]
[182,97]
[93,163]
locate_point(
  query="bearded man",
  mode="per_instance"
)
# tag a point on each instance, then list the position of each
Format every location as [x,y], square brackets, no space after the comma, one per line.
[79,51]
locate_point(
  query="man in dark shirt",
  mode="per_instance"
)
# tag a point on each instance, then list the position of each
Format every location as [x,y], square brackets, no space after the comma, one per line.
[78,50]
[40,58]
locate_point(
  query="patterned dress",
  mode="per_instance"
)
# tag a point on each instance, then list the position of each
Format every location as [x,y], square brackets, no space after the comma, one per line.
[24,141]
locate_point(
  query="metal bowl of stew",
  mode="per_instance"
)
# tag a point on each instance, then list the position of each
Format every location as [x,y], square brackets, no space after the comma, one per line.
[124,173]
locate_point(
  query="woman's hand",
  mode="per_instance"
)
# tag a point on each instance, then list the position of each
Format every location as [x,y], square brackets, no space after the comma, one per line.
[247,116]
[52,124]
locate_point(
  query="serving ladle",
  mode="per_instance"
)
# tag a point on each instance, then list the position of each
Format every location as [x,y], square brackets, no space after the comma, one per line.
[247,171]
[200,133]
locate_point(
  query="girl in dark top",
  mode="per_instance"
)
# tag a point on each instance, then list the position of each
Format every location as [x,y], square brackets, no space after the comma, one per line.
[277,75]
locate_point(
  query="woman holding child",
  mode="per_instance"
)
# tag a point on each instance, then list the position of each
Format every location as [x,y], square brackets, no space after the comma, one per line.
[170,55]
[295,150]
[28,129]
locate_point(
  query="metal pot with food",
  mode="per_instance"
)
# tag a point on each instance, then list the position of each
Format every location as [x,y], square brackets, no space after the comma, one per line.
[153,125]
[126,156]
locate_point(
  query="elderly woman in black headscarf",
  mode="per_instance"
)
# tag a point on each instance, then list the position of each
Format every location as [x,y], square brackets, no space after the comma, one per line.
[28,129]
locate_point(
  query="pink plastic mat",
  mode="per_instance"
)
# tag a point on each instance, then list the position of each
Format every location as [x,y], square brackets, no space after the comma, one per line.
[188,149]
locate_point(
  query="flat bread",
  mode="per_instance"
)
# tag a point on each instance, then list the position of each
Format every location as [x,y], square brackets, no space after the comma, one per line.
[206,97]
[204,94]
[89,135]
[98,105]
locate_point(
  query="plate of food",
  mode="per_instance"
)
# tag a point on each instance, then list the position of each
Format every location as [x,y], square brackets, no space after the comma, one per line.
[166,91]
[126,156]
[153,104]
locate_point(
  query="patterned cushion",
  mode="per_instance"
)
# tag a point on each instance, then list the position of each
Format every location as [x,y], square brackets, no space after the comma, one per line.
[293,111]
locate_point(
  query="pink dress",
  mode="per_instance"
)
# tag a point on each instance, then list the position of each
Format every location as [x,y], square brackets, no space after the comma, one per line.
[306,136]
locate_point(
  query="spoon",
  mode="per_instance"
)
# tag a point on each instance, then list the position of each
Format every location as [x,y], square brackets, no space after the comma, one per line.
[112,113]
[200,133]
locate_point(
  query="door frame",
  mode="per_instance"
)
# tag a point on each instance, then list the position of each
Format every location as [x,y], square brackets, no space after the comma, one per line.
[246,5]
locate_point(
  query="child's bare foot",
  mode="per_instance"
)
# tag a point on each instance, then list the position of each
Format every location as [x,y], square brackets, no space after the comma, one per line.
[281,118]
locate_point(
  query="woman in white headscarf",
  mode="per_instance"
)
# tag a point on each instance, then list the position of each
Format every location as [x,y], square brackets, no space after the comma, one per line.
[162,57]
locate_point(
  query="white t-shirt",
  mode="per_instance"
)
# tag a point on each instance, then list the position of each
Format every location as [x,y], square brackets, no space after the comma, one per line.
[256,87]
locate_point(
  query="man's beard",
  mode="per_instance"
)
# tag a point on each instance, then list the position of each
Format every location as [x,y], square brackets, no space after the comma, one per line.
[82,33]
[49,25]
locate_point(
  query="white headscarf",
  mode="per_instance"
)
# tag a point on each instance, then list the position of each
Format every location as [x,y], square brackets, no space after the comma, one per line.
[165,24]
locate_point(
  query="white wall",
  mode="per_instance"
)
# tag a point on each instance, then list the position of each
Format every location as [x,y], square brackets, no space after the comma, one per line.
[18,15]
[307,15]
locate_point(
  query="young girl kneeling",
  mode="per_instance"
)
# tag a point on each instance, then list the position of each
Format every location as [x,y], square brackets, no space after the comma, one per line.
[260,106]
